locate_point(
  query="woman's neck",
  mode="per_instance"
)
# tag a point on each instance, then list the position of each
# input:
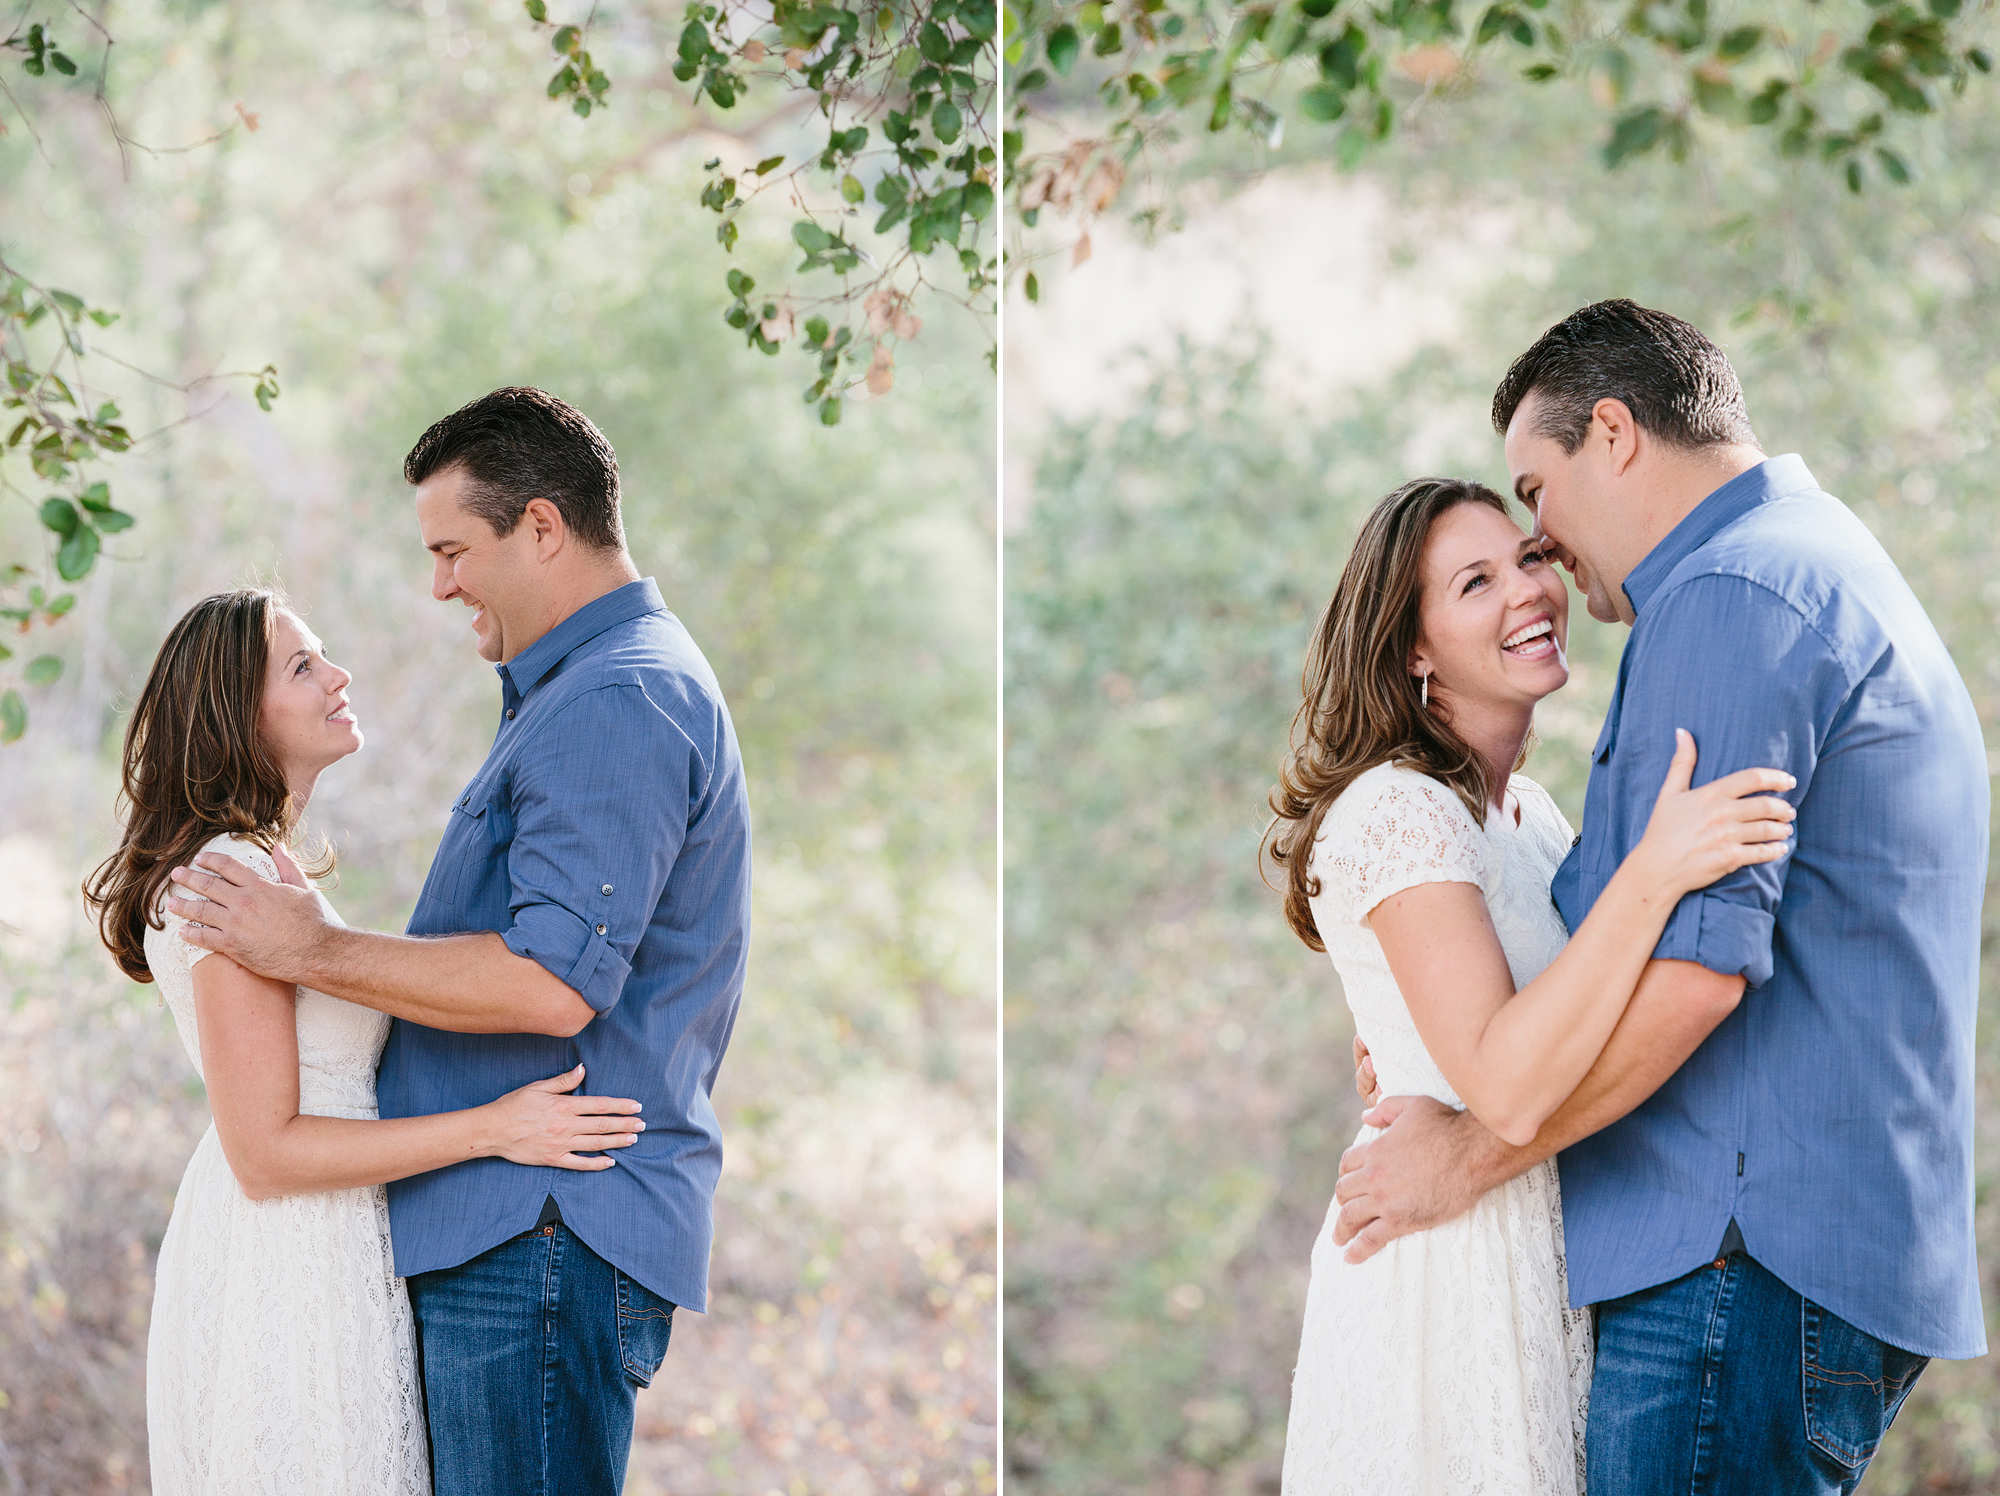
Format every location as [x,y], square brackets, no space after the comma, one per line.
[302,785]
[1496,734]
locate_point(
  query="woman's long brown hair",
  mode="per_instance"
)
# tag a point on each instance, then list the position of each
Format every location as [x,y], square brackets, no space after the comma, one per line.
[1361,705]
[194,766]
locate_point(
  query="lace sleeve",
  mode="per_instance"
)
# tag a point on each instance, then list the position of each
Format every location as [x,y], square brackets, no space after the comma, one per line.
[249,854]
[1395,829]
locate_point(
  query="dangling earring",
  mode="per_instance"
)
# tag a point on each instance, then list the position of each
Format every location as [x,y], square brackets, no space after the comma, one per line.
[1424,696]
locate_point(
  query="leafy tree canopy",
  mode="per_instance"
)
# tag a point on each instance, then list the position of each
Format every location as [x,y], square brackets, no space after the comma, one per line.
[1097,90]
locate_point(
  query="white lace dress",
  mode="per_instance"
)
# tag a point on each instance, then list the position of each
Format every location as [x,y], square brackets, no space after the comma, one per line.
[1448,1364]
[281,1357]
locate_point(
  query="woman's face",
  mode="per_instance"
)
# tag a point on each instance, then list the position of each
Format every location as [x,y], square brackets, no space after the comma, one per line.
[1493,619]
[304,718]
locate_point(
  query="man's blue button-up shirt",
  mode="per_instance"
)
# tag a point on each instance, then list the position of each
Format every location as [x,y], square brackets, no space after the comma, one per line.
[1830,1115]
[606,837]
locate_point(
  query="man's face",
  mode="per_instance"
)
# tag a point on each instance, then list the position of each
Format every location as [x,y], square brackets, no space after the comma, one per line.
[1564,493]
[491,574]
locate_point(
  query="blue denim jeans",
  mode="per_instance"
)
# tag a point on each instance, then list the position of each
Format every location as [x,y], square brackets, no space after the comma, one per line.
[533,1354]
[1726,1383]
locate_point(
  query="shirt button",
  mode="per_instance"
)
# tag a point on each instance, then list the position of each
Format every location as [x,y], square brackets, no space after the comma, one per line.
[607,888]
[600,929]
[510,714]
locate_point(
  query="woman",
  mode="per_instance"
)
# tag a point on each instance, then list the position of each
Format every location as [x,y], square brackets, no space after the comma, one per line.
[281,1356]
[1449,1361]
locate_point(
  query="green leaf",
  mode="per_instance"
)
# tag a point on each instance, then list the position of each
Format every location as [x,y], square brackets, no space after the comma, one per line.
[810,236]
[563,82]
[946,121]
[60,515]
[1319,10]
[769,164]
[69,302]
[978,201]
[62,64]
[1719,99]
[1323,102]
[43,670]
[851,188]
[740,284]
[1853,175]
[97,496]
[1739,43]
[1634,134]
[568,38]
[1032,287]
[1894,165]
[1062,46]
[77,554]
[111,521]
[103,318]
[1541,72]
[816,331]
[13,717]
[829,411]
[537,11]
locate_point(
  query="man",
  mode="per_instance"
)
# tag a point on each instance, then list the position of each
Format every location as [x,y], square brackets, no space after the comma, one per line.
[1767,1177]
[589,901]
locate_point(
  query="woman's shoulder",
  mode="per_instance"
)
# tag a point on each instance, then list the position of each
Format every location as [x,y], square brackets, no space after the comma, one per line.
[1393,802]
[1389,788]
[244,850]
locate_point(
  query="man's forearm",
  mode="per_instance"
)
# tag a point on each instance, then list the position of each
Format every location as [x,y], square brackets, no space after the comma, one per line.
[1676,1005]
[469,984]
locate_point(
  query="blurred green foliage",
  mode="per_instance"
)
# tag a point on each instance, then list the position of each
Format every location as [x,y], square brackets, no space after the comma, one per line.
[1179,1085]
[404,232]
[1097,90]
[923,74]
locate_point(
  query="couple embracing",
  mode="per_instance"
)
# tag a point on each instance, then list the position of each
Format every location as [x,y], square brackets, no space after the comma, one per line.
[1739,1006]
[547,1033]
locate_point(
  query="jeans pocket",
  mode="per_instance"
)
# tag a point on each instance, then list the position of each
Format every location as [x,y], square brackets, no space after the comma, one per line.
[645,1325]
[1853,1385]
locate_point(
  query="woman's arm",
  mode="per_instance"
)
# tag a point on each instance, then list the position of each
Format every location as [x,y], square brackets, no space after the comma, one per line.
[1515,1057]
[250,1058]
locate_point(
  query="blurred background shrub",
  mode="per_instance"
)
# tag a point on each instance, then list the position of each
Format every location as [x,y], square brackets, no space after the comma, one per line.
[410,225]
[1195,430]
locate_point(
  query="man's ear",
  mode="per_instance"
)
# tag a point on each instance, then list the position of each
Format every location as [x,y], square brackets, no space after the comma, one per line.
[550,533]
[1611,423]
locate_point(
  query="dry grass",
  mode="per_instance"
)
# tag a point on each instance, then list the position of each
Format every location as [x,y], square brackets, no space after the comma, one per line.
[850,1343]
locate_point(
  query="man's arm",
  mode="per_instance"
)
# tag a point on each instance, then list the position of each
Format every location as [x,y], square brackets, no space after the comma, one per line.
[1432,1163]
[470,984]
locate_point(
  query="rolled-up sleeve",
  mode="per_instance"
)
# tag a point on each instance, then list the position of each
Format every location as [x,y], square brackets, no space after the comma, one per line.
[600,802]
[1744,672]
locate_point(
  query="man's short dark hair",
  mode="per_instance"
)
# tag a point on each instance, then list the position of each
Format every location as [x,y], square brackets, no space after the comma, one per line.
[519,444]
[1676,383]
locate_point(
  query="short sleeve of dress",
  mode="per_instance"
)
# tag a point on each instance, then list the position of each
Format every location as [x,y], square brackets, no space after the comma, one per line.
[1393,829]
[246,852]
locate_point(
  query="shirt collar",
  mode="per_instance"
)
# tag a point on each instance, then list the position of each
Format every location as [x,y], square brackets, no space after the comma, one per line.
[1773,478]
[634,600]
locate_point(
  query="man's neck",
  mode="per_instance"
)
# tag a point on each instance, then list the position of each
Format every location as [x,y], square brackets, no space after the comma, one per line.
[564,603]
[1674,489]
